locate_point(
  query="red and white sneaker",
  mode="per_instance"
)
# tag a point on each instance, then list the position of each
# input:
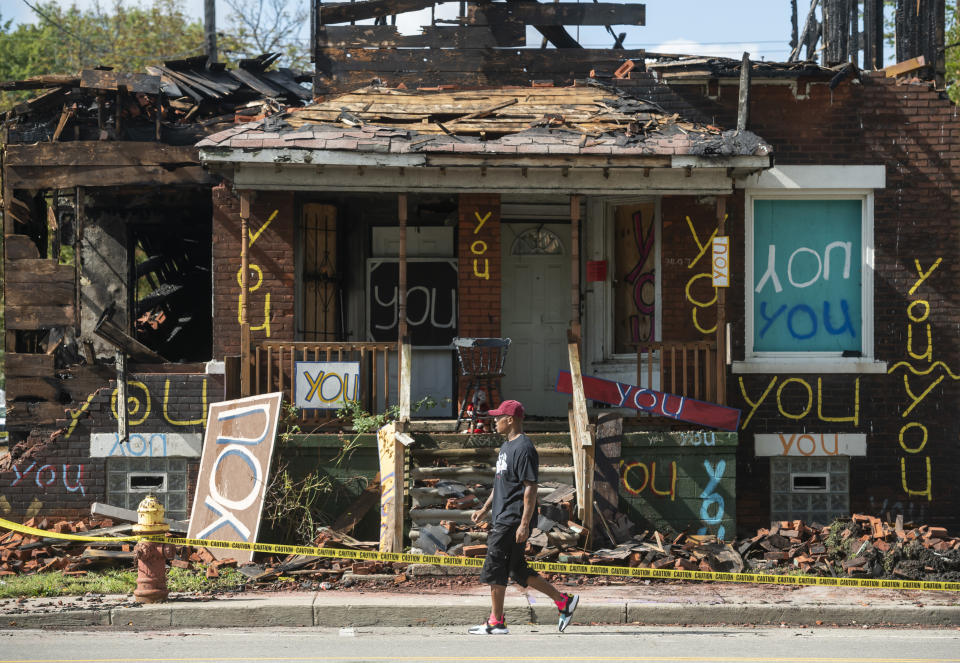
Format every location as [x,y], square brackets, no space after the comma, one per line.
[490,628]
[566,608]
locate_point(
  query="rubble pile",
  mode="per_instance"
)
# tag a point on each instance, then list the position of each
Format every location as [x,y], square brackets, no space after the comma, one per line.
[863,547]
[177,103]
[22,554]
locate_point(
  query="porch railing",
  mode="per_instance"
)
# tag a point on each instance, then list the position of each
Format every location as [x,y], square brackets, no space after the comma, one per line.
[274,363]
[685,368]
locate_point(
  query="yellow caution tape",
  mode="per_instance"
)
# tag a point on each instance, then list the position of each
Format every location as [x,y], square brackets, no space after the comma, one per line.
[45,534]
[550,567]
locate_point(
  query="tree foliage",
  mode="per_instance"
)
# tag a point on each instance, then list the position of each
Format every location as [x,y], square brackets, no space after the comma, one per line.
[268,26]
[66,39]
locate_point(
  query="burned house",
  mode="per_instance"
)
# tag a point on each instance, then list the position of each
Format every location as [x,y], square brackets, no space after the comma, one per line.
[456,185]
[107,236]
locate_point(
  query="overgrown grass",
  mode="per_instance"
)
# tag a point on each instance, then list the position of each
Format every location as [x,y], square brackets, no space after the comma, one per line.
[114,581]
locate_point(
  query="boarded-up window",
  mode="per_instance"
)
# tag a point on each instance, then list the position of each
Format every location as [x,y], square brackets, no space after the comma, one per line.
[320,289]
[635,276]
[807,276]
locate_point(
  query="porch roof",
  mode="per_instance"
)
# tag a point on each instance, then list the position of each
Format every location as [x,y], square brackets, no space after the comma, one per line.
[580,126]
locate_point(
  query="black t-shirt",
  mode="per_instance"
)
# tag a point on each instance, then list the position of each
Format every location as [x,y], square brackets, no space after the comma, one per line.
[518,462]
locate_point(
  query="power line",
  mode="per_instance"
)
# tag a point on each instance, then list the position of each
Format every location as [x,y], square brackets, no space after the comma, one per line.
[49,20]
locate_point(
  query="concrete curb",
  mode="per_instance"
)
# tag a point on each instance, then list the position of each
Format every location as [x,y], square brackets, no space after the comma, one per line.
[305,613]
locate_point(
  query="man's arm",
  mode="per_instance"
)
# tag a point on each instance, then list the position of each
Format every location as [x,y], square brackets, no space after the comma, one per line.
[529,507]
[481,513]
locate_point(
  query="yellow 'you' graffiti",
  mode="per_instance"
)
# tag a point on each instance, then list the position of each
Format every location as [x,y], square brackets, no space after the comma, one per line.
[254,286]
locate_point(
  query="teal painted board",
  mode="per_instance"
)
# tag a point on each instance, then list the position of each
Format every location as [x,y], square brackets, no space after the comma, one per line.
[807,275]
[679,488]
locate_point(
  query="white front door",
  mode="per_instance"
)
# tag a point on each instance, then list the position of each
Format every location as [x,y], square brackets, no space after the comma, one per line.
[535,300]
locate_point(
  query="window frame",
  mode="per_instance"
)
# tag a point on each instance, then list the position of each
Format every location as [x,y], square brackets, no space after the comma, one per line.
[814,183]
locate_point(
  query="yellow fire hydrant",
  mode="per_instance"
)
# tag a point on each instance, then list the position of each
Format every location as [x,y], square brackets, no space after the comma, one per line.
[151,562]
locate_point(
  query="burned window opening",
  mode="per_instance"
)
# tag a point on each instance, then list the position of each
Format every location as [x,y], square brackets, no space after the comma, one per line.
[170,287]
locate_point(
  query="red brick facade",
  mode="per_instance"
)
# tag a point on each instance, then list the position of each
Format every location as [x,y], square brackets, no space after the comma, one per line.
[478,251]
[271,304]
[909,414]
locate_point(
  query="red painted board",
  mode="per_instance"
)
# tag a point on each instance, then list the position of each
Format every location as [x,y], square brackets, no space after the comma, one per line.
[676,407]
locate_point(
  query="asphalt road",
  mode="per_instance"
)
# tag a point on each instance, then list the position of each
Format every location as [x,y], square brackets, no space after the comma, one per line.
[525,643]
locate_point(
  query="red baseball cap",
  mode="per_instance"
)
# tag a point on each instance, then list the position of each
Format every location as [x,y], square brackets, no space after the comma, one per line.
[508,408]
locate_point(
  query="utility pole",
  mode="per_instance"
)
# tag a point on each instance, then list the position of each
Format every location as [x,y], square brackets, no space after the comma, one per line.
[210,29]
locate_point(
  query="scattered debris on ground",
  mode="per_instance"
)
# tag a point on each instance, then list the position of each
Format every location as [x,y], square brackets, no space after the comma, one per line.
[862,547]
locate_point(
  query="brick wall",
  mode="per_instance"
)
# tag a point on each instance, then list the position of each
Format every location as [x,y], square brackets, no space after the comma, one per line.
[479,280]
[271,302]
[58,478]
[914,131]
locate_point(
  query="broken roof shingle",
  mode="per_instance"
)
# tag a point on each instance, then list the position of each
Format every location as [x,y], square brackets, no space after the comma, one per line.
[503,121]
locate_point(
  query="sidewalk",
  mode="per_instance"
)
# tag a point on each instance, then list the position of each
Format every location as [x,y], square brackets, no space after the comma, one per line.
[362,605]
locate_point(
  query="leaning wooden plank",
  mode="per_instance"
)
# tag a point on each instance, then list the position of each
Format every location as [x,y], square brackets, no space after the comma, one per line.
[37,317]
[905,67]
[579,397]
[353,514]
[342,12]
[252,80]
[284,79]
[563,13]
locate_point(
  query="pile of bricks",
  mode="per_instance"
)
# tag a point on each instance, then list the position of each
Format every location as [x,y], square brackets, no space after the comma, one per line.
[864,546]
[30,554]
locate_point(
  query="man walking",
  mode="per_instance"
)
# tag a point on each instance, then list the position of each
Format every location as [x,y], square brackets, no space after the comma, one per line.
[512,506]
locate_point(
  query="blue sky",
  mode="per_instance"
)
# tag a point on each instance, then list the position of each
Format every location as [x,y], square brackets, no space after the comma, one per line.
[708,27]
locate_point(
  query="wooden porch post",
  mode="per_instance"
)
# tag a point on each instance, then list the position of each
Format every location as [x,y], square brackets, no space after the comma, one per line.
[244,293]
[404,350]
[721,365]
[393,437]
[581,433]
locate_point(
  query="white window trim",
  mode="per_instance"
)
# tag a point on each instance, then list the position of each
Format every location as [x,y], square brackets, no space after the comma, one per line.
[814,183]
[600,300]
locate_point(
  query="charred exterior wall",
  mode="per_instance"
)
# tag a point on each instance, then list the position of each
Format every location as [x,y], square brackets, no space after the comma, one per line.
[908,416]
[59,472]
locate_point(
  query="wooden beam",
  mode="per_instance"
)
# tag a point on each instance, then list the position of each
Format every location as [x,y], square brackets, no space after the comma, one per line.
[391,489]
[575,266]
[577,62]
[743,103]
[122,411]
[343,12]
[37,317]
[21,364]
[721,364]
[405,352]
[244,293]
[100,153]
[905,67]
[387,36]
[67,177]
[562,13]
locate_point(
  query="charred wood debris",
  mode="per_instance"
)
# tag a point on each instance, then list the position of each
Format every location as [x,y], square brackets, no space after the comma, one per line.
[176,103]
[861,546]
